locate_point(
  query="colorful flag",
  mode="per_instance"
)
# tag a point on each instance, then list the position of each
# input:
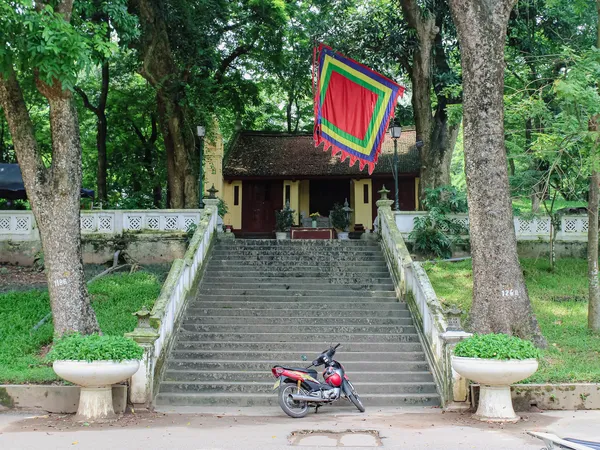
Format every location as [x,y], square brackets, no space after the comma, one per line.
[353,107]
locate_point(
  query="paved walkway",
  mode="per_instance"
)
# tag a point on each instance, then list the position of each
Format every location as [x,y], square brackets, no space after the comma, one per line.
[269,428]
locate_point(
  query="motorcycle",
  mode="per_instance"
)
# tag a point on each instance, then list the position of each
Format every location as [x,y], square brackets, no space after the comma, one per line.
[299,388]
[552,441]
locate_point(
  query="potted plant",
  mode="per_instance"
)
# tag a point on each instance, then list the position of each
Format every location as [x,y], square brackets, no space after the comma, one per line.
[495,361]
[95,363]
[284,220]
[339,221]
[314,216]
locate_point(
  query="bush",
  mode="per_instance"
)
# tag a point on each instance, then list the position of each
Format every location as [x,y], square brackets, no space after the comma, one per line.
[284,219]
[338,218]
[75,347]
[434,233]
[496,346]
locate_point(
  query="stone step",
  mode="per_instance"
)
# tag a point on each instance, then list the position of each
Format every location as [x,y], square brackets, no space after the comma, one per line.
[284,304]
[293,294]
[350,366]
[306,348]
[305,270]
[274,297]
[295,273]
[316,335]
[321,243]
[296,285]
[235,355]
[296,329]
[241,375]
[284,314]
[338,280]
[292,263]
[298,251]
[309,258]
[240,400]
[238,387]
[325,319]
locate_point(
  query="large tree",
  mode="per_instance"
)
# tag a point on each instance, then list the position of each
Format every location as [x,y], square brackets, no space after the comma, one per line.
[500,298]
[42,42]
[427,64]
[188,49]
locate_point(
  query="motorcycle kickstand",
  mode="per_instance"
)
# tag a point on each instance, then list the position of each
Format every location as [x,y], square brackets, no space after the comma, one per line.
[317,408]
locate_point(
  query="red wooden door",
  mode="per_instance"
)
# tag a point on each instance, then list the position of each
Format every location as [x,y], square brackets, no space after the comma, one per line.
[260,200]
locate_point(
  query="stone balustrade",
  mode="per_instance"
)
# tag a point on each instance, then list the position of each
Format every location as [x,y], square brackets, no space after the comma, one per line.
[21,226]
[413,285]
[156,329]
[572,228]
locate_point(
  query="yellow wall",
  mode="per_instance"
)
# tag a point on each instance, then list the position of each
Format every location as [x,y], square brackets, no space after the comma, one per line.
[294,197]
[213,164]
[234,213]
[304,198]
[363,212]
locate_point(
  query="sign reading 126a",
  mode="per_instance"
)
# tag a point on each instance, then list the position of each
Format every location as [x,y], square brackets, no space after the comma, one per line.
[510,293]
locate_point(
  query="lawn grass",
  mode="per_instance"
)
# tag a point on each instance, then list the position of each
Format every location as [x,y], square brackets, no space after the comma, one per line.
[573,353]
[114,299]
[524,204]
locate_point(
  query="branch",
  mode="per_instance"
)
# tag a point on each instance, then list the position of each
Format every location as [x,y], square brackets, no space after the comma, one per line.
[138,132]
[239,51]
[22,132]
[86,100]
[154,135]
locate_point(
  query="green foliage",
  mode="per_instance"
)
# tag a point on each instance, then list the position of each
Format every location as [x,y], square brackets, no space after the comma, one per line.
[114,298]
[572,353]
[75,347]
[284,219]
[434,233]
[189,233]
[496,346]
[338,218]
[222,208]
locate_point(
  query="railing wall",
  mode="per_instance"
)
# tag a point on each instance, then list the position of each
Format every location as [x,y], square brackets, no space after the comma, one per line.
[21,226]
[572,228]
[158,335]
[413,285]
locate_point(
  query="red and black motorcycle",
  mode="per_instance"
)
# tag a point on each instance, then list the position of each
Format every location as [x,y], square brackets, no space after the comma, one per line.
[299,388]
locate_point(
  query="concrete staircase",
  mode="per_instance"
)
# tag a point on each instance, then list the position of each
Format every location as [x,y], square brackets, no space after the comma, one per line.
[266,302]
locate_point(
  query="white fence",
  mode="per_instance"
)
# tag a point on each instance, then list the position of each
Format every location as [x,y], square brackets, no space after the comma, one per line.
[412,284]
[169,307]
[21,226]
[572,228]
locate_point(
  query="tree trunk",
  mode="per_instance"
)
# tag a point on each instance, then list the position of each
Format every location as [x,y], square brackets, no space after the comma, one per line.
[160,70]
[439,138]
[54,194]
[594,287]
[500,298]
[102,135]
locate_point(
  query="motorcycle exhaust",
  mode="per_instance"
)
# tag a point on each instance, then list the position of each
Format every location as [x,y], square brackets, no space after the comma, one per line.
[308,398]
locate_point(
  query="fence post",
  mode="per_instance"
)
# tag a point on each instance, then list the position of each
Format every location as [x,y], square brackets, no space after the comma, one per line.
[141,385]
[458,386]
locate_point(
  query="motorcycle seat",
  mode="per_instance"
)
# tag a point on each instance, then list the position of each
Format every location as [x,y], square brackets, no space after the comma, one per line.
[311,372]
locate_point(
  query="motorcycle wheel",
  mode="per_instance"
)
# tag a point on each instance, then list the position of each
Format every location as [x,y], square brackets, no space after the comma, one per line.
[354,397]
[292,408]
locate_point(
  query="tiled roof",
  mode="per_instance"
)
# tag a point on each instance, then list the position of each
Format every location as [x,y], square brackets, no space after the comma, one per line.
[270,154]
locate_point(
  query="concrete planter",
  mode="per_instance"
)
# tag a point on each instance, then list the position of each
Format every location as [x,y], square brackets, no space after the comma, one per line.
[281,235]
[495,377]
[95,379]
[343,235]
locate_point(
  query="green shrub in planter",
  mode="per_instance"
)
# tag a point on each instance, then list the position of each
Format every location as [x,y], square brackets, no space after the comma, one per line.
[93,347]
[496,346]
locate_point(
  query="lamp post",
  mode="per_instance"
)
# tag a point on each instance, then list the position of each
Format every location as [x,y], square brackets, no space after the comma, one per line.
[395,131]
[201,131]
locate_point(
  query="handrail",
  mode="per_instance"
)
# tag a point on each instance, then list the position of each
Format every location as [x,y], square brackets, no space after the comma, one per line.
[158,337]
[413,285]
